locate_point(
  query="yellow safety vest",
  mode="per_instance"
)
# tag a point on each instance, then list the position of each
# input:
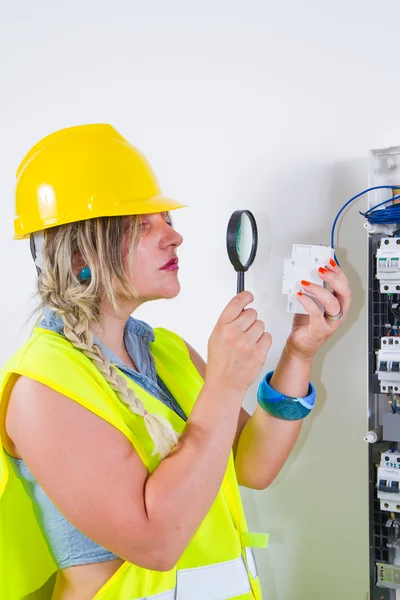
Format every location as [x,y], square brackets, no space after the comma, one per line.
[218,563]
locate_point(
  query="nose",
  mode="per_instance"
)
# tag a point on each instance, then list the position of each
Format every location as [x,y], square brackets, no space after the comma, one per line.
[170,236]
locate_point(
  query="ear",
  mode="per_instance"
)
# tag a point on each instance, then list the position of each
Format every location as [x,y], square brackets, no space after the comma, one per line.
[77,263]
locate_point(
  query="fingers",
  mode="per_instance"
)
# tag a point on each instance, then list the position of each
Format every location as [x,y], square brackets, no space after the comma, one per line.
[264,343]
[339,299]
[256,331]
[312,308]
[319,326]
[235,307]
[335,277]
[330,302]
[246,319]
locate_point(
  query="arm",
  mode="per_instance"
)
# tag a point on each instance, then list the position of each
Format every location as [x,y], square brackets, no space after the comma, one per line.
[201,365]
[266,441]
[263,442]
[94,476]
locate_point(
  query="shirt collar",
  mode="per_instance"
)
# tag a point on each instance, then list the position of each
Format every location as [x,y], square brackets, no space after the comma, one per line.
[140,328]
[136,326]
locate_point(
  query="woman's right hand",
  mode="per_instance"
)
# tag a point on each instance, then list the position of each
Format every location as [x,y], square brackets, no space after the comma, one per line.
[238,346]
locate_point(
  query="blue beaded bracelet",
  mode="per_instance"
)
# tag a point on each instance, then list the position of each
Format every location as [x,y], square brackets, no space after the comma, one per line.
[282,406]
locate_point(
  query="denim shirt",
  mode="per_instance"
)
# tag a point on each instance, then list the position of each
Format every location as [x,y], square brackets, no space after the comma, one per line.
[70,546]
[137,338]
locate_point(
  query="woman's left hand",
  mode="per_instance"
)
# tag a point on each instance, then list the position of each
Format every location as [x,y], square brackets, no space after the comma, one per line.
[310,331]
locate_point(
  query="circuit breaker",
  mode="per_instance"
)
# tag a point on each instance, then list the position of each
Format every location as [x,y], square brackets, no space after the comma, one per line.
[388,482]
[304,264]
[388,364]
[388,265]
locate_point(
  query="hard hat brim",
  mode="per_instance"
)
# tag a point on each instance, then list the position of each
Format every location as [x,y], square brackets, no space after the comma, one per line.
[99,207]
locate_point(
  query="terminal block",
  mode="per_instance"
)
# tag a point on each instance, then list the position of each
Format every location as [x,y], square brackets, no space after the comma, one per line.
[387,576]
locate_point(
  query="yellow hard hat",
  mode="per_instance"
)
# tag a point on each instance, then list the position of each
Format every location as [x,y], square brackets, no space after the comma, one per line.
[81,173]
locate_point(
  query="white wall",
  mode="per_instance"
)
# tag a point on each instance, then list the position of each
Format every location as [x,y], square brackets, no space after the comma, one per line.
[258,105]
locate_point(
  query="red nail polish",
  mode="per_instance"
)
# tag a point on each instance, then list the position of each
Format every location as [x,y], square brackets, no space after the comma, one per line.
[304,282]
[322,270]
[299,293]
[332,262]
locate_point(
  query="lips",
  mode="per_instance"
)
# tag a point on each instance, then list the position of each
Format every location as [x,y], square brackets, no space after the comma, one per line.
[171,263]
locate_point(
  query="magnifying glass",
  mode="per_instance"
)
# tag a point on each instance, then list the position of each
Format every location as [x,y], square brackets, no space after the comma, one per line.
[241,242]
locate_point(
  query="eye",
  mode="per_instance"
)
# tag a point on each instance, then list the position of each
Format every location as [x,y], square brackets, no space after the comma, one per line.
[144,224]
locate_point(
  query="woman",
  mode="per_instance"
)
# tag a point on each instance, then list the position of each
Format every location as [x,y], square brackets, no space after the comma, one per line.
[121,450]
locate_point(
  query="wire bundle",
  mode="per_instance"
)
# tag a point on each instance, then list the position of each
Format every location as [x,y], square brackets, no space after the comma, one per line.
[375,215]
[388,215]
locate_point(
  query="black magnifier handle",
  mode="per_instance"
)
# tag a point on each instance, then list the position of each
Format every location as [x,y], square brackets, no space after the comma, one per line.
[240,282]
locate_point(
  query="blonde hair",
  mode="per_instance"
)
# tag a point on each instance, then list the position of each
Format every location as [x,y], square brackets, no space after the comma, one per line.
[99,244]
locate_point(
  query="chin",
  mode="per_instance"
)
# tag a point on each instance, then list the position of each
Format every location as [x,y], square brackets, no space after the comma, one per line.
[166,294]
[172,294]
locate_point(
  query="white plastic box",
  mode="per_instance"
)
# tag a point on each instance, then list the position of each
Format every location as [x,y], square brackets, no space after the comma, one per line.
[304,264]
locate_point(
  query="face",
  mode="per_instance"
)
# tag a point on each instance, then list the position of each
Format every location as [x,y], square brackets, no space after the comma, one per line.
[157,245]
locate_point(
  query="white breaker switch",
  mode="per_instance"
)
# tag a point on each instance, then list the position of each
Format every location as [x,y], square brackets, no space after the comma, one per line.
[388,483]
[388,265]
[388,364]
[304,264]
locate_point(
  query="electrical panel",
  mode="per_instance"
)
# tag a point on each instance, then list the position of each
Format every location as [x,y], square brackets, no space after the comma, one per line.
[384,375]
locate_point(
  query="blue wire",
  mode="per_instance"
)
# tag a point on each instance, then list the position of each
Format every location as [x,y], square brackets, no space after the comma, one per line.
[391,214]
[370,214]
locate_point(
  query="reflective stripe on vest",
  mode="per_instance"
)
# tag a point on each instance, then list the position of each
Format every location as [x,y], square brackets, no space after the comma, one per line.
[214,582]
[171,595]
[251,562]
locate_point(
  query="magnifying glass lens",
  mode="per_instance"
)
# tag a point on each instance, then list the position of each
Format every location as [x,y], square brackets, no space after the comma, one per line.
[241,243]
[244,239]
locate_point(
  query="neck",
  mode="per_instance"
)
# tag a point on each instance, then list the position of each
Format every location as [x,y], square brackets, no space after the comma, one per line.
[110,330]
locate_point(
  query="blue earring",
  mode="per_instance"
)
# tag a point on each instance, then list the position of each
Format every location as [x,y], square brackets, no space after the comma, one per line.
[85,274]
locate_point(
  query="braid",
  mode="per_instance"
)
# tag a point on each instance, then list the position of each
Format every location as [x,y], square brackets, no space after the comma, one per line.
[78,306]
